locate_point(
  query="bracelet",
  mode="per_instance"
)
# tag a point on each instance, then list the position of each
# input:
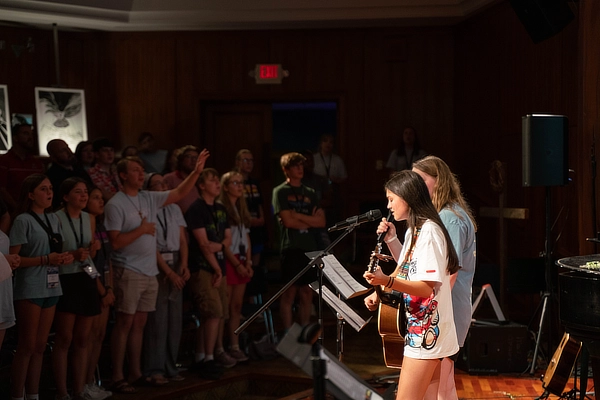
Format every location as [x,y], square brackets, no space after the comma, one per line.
[390,282]
[391,239]
[47,259]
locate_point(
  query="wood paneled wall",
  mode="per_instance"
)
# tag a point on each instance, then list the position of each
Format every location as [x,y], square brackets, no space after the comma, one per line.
[464,88]
[501,76]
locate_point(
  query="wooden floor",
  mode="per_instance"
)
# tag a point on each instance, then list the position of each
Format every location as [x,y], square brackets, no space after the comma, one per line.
[280,379]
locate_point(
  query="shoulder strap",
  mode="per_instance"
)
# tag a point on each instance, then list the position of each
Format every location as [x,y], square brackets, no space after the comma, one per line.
[47,228]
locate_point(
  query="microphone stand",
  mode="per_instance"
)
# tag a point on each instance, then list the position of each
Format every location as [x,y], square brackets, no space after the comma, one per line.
[314,261]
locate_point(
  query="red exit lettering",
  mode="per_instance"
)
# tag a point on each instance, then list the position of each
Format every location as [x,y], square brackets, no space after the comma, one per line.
[269,71]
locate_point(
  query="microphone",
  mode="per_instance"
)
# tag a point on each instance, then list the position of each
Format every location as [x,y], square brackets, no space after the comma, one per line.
[356,220]
[389,218]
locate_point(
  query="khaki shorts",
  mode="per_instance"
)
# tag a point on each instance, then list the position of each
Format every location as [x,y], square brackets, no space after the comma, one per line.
[211,302]
[135,292]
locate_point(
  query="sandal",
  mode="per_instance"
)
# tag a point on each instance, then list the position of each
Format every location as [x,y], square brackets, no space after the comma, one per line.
[122,387]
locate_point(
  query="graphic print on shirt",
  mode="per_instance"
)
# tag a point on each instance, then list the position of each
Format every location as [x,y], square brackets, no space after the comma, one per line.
[422,317]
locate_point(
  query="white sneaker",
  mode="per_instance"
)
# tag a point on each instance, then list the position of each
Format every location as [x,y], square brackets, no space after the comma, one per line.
[95,392]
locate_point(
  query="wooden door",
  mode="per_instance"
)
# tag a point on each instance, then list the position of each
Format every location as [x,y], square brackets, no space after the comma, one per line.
[229,127]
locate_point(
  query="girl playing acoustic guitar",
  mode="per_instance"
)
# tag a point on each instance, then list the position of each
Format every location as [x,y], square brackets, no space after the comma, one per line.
[423,276]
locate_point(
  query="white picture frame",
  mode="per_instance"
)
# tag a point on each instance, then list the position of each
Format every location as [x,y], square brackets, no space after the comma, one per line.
[60,115]
[5,126]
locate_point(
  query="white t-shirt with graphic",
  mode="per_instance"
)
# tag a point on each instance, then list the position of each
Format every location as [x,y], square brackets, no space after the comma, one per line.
[431,332]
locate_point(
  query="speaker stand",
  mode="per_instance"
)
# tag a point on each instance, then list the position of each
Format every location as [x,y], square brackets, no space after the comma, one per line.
[547,295]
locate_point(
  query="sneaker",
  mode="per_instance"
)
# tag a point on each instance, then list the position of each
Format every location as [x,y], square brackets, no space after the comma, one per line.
[210,370]
[238,355]
[95,392]
[225,360]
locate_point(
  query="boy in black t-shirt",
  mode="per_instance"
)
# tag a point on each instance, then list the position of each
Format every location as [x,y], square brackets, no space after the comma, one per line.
[209,235]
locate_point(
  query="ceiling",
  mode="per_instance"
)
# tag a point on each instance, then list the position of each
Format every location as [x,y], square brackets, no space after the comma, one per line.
[165,15]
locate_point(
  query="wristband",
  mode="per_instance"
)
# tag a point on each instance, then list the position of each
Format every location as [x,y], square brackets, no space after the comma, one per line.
[391,239]
[390,282]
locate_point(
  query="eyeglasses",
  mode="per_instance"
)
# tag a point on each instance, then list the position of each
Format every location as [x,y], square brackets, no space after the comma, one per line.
[248,160]
[236,183]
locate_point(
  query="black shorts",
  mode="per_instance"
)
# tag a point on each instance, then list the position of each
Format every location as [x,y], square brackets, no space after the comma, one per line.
[80,295]
[292,262]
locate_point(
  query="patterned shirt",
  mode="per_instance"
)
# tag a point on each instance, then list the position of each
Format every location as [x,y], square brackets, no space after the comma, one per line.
[107,181]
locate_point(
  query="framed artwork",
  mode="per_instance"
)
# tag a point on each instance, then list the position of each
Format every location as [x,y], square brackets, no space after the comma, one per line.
[5,135]
[60,115]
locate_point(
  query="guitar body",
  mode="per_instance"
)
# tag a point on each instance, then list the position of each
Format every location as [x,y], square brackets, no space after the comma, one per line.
[391,320]
[561,365]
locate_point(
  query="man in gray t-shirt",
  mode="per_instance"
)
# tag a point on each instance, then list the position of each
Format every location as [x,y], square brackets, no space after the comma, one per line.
[130,222]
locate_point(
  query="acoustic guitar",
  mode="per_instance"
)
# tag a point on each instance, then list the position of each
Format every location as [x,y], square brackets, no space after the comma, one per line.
[392,324]
[392,318]
[561,365]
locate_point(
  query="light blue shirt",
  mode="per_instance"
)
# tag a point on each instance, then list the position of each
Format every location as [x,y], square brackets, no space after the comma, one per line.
[122,213]
[172,225]
[71,239]
[31,282]
[462,232]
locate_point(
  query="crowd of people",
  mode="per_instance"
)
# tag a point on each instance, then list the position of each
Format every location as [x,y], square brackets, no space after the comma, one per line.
[93,232]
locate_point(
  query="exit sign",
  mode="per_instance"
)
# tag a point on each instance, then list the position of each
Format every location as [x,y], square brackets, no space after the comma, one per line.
[269,73]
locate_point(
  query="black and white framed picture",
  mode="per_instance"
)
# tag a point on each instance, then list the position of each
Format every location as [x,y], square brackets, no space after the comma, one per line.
[5,136]
[60,115]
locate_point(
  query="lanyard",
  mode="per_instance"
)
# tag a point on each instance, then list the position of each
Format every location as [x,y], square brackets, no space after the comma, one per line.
[299,198]
[165,225]
[80,243]
[325,164]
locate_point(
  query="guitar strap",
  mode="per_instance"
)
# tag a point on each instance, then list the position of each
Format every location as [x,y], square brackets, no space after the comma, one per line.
[403,272]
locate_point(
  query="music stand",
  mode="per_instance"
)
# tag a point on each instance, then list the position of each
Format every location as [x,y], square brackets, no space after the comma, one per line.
[344,314]
[316,260]
[346,287]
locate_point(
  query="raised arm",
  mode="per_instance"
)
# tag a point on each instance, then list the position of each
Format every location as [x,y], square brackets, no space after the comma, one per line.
[189,182]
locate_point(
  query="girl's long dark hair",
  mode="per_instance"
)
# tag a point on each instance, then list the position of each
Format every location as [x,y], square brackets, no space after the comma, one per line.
[412,189]
[28,186]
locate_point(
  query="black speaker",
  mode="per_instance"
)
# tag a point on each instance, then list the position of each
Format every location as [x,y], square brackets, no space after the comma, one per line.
[545,150]
[542,18]
[490,349]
